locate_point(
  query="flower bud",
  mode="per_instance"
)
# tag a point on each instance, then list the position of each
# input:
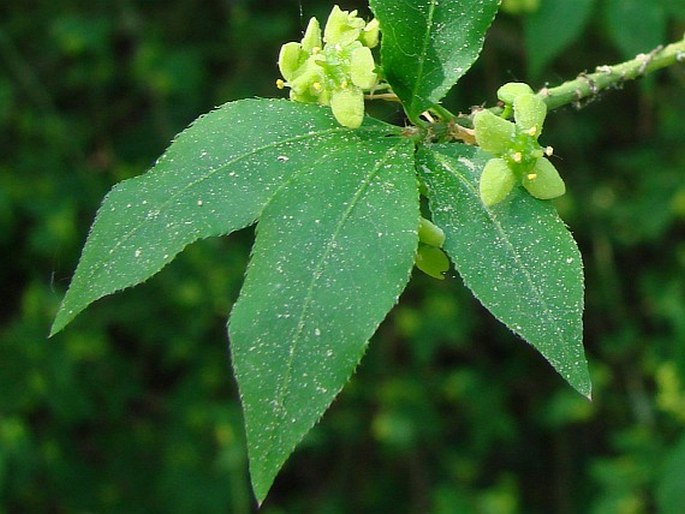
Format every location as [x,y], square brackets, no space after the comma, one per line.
[347,105]
[544,181]
[432,261]
[430,233]
[496,182]
[508,92]
[493,134]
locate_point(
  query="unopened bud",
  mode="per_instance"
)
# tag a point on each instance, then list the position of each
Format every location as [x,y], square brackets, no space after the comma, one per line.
[432,261]
[430,233]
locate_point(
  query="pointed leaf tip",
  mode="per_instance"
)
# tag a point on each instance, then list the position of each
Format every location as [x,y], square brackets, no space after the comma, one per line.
[517,258]
[334,250]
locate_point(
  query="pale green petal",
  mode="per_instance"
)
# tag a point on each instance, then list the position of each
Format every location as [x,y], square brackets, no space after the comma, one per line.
[530,111]
[342,27]
[361,68]
[544,181]
[309,83]
[493,134]
[496,182]
[290,58]
[370,35]
[347,105]
[508,92]
[312,36]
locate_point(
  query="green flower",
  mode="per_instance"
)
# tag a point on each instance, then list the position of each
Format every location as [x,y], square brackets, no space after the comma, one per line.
[519,156]
[335,68]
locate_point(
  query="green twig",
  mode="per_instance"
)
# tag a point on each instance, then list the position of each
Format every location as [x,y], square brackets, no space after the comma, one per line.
[588,85]
[572,92]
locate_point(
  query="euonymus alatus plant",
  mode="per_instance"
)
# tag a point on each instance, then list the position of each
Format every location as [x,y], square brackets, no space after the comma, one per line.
[336,196]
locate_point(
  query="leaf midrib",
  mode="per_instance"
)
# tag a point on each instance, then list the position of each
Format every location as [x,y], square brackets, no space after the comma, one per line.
[283,390]
[424,51]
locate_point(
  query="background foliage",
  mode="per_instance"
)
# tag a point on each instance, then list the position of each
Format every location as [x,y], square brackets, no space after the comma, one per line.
[133,408]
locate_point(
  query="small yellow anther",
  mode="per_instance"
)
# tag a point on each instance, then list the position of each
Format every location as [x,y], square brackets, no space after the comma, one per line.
[315,50]
[280,84]
[533,130]
[549,151]
[517,157]
[317,86]
[532,176]
[344,84]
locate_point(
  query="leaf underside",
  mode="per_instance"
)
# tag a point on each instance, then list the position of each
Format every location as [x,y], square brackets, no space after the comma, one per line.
[215,178]
[334,250]
[517,257]
[427,46]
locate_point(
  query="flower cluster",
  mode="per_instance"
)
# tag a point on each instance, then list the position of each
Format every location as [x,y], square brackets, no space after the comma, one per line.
[334,69]
[519,156]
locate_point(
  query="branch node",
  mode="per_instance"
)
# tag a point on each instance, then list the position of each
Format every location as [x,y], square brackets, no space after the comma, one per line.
[647,58]
[592,86]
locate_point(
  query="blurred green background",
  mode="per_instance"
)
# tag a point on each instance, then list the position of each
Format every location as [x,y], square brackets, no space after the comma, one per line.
[133,408]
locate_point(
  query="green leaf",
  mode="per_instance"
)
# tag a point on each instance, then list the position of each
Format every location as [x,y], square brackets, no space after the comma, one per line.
[428,45]
[636,26]
[552,28]
[333,252]
[215,178]
[517,257]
